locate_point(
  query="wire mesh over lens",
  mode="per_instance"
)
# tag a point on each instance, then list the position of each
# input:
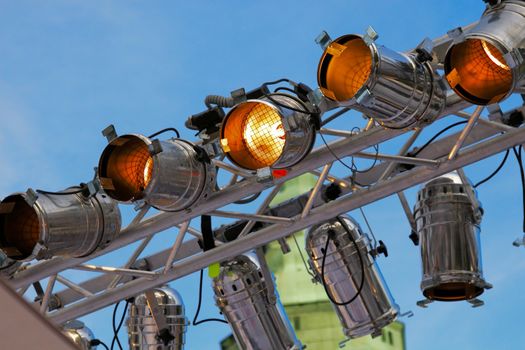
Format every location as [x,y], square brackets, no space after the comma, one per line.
[344,68]
[478,72]
[129,165]
[21,229]
[255,135]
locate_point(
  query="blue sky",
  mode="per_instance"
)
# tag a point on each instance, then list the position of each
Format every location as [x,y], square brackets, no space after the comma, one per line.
[70,68]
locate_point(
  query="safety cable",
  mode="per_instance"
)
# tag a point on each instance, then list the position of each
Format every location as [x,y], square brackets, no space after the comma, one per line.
[116,329]
[163,131]
[361,260]
[195,322]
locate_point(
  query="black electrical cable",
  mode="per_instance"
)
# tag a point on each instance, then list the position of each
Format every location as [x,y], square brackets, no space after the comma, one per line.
[163,131]
[437,135]
[500,166]
[195,322]
[283,88]
[522,174]
[325,253]
[97,342]
[116,329]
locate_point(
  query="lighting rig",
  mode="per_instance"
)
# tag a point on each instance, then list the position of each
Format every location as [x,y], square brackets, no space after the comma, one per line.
[264,139]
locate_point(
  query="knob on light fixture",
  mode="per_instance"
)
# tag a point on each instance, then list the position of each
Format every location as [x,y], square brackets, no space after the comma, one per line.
[269,132]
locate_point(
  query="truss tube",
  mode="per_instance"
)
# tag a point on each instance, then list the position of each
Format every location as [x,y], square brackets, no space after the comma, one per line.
[266,235]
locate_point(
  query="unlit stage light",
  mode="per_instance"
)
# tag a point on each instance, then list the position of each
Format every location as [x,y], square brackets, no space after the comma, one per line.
[157,320]
[252,307]
[395,89]
[449,236]
[77,332]
[270,132]
[69,224]
[487,63]
[351,277]
[169,175]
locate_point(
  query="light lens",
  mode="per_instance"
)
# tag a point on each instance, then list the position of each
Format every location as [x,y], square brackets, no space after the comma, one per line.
[478,72]
[253,135]
[126,168]
[344,68]
[19,228]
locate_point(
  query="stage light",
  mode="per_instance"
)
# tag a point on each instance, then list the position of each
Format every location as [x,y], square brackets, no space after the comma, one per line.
[449,236]
[69,223]
[251,305]
[396,89]
[169,175]
[487,63]
[156,320]
[268,132]
[351,277]
[77,332]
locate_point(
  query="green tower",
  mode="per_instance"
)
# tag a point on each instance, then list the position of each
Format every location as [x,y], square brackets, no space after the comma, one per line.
[308,308]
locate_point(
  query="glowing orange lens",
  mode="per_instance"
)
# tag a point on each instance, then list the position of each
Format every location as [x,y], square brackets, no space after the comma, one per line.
[254,135]
[21,229]
[477,71]
[129,165]
[344,68]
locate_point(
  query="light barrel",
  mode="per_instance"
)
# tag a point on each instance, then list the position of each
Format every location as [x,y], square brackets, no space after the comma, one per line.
[449,237]
[374,307]
[40,225]
[169,175]
[256,316]
[395,89]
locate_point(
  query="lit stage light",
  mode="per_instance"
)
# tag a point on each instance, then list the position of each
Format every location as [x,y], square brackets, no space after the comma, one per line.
[156,320]
[70,224]
[449,236]
[269,132]
[252,307]
[342,260]
[169,175]
[395,89]
[487,63]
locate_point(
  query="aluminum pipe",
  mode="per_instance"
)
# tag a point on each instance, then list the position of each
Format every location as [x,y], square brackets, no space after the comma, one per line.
[395,89]
[487,63]
[255,314]
[374,306]
[43,225]
[169,175]
[269,132]
[161,326]
[448,228]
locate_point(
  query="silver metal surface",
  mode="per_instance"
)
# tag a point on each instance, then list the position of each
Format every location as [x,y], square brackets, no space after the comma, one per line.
[8,266]
[255,314]
[142,327]
[449,236]
[69,225]
[299,130]
[503,26]
[178,178]
[374,308]
[77,332]
[399,92]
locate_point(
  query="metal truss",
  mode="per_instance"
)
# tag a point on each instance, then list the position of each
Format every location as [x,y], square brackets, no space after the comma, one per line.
[393,173]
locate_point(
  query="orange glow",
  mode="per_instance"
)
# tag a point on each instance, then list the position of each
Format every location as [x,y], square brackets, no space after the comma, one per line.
[478,72]
[253,135]
[344,68]
[20,228]
[129,165]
